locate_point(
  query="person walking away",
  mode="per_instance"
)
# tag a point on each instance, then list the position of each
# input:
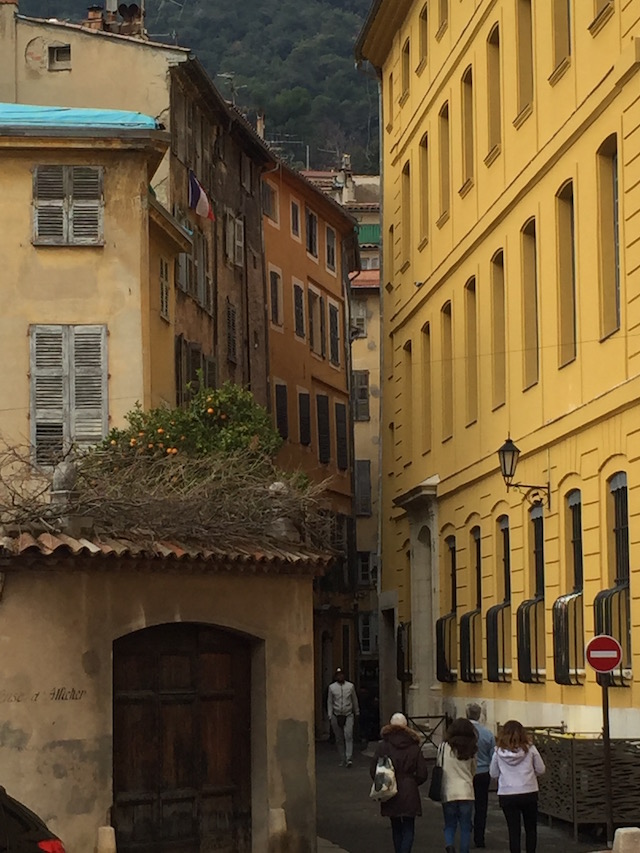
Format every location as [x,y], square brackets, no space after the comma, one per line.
[458,761]
[342,709]
[516,764]
[482,779]
[402,745]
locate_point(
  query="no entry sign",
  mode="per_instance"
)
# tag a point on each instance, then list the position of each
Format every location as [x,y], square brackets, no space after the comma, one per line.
[604,653]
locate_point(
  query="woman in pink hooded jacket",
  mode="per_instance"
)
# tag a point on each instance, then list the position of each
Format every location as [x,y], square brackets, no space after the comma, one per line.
[516,764]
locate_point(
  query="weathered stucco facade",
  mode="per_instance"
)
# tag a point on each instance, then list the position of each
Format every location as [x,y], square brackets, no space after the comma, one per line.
[62,609]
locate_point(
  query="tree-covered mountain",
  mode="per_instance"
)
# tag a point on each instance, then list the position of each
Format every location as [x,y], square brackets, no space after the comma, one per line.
[291,58]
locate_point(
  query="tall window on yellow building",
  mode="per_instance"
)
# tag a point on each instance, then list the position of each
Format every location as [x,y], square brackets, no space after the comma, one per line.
[407,400]
[447,371]
[406,212]
[499,616]
[390,102]
[424,187]
[406,68]
[561,30]
[445,166]
[499,330]
[568,620]
[530,618]
[530,355]
[426,387]
[471,341]
[443,14]
[525,54]
[446,626]
[389,259]
[493,88]
[609,228]
[567,332]
[467,124]
[424,34]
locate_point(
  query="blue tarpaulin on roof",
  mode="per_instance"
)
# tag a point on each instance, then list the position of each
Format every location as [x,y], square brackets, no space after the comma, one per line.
[23,115]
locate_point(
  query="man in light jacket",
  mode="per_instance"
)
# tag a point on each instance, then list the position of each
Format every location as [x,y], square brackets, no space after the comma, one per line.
[482,779]
[342,709]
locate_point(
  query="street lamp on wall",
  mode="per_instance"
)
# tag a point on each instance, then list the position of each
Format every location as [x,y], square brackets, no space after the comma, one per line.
[508,456]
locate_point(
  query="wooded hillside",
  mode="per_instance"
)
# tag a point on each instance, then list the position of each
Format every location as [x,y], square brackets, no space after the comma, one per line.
[291,58]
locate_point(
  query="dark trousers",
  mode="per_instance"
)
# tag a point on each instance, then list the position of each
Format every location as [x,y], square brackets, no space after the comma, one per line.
[481,783]
[525,805]
[403,830]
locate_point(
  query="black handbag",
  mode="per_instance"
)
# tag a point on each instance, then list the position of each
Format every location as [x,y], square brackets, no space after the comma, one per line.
[341,720]
[435,788]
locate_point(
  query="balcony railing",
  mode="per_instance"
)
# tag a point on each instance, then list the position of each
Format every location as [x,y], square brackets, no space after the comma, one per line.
[612,616]
[499,642]
[446,648]
[471,647]
[531,645]
[568,639]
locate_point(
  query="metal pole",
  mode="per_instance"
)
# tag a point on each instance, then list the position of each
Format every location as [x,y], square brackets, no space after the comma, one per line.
[606,741]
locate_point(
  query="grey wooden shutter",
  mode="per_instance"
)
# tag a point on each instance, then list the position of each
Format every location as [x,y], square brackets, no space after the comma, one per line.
[282,411]
[229,237]
[210,372]
[334,335]
[298,301]
[180,370]
[86,208]
[363,487]
[49,205]
[342,437]
[304,417]
[88,358]
[239,242]
[361,395]
[323,328]
[312,329]
[49,392]
[324,428]
[232,348]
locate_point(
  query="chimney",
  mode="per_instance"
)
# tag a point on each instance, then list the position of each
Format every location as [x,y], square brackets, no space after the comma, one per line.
[260,125]
[8,51]
[94,19]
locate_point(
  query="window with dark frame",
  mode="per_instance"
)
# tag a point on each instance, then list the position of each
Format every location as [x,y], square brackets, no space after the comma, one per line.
[503,524]
[164,288]
[311,232]
[477,544]
[275,293]
[270,201]
[342,437]
[282,410]
[232,343]
[304,418]
[537,524]
[331,249]
[298,309]
[619,494]
[365,573]
[574,504]
[295,218]
[324,429]
[360,386]
[334,334]
[59,56]
[450,543]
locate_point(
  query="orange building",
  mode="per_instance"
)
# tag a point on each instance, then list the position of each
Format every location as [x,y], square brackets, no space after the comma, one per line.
[310,249]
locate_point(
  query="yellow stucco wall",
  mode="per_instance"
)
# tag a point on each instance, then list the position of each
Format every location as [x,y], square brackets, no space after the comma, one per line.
[577,424]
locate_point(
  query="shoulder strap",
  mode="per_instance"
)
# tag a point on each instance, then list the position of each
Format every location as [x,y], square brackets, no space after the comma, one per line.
[440,756]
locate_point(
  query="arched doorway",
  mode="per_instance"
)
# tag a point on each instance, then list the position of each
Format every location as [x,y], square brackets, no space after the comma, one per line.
[181,740]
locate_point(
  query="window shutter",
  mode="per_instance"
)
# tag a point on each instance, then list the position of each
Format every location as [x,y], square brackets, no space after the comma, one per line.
[232,349]
[86,212]
[49,392]
[182,262]
[363,487]
[88,357]
[334,334]
[304,416]
[230,237]
[194,365]
[282,412]
[312,329]
[361,395]
[210,372]
[239,242]
[164,288]
[324,428]
[323,329]
[50,221]
[342,438]
[274,287]
[298,301]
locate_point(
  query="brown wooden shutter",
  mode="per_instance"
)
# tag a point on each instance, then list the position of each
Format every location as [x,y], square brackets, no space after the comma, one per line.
[342,437]
[363,486]
[312,329]
[298,301]
[334,334]
[304,417]
[324,428]
[323,328]
[282,412]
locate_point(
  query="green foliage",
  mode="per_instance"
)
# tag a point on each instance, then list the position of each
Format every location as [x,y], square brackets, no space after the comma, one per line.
[226,421]
[291,58]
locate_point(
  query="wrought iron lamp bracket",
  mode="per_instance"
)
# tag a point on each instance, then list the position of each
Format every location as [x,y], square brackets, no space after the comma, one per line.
[535,495]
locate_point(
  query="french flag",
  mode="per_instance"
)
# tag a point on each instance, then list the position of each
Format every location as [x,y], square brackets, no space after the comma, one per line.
[198,199]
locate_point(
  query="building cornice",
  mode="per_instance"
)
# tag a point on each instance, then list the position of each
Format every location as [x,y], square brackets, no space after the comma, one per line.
[416,498]
[382,23]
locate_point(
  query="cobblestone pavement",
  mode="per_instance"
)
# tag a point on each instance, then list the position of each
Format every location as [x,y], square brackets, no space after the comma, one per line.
[349,822]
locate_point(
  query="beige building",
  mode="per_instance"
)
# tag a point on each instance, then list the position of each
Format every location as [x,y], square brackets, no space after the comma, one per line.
[510,271]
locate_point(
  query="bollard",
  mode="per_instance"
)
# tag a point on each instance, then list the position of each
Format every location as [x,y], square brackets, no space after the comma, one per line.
[627,840]
[106,840]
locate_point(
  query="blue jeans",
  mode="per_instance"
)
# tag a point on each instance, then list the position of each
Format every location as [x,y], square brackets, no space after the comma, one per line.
[457,812]
[403,831]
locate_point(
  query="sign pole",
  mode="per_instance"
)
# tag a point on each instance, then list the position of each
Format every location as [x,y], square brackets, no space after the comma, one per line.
[606,742]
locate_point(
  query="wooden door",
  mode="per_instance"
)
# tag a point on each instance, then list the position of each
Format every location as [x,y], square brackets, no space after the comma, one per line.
[181,741]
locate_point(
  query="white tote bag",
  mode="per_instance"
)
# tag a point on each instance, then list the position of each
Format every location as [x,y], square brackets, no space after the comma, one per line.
[384,786]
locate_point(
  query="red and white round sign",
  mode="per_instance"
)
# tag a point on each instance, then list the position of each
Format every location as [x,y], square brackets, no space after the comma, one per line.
[604,653]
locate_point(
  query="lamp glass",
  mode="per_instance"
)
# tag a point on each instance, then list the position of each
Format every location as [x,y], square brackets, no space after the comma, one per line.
[508,456]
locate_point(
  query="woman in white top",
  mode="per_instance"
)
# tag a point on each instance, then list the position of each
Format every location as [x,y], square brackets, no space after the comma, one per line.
[458,759]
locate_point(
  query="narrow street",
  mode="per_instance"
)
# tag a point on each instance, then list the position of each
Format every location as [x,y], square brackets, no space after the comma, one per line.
[349,819]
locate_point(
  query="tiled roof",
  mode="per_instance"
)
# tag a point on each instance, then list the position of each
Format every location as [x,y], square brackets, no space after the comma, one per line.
[366,278]
[26,548]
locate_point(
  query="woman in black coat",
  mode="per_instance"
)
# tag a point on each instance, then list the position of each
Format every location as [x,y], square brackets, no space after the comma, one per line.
[402,746]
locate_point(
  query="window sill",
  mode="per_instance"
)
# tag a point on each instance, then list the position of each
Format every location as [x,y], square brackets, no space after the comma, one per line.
[96,244]
[389,127]
[560,70]
[497,406]
[313,258]
[59,67]
[608,335]
[421,66]
[442,30]
[563,364]
[466,188]
[388,287]
[165,318]
[405,266]
[530,386]
[493,155]
[423,244]
[523,115]
[605,14]
[471,423]
[444,218]
[404,97]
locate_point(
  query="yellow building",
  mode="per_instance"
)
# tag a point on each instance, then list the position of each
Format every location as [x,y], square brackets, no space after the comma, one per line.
[511,165]
[88,258]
